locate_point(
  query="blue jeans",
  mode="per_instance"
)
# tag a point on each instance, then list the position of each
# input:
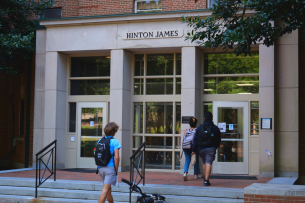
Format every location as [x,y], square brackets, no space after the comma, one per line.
[187,154]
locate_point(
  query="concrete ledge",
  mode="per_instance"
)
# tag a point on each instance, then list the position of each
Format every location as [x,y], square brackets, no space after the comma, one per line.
[275,190]
[283,181]
[266,175]
[17,170]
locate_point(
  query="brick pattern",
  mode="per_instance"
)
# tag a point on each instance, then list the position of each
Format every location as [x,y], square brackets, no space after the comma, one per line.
[302,108]
[75,8]
[269,198]
[10,84]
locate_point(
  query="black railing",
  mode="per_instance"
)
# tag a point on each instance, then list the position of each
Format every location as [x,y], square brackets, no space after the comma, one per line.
[137,161]
[39,160]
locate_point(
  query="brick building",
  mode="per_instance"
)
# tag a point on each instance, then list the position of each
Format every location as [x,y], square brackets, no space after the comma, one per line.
[128,61]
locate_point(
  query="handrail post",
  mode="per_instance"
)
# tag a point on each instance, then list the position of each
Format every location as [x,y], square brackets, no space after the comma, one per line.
[55,161]
[36,175]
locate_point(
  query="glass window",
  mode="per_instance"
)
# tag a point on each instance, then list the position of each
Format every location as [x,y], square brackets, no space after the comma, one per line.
[160,64]
[50,13]
[254,118]
[90,87]
[148,6]
[138,86]
[231,151]
[178,85]
[158,160]
[90,66]
[178,118]
[207,107]
[177,160]
[177,142]
[138,118]
[72,117]
[137,141]
[159,142]
[139,65]
[231,85]
[92,122]
[159,86]
[231,64]
[159,118]
[178,64]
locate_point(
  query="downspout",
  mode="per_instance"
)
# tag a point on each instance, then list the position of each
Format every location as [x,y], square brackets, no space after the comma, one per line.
[28,113]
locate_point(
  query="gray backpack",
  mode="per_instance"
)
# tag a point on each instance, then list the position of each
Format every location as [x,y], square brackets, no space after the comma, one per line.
[188,139]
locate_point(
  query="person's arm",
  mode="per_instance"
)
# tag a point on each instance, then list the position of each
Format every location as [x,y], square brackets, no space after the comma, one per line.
[195,145]
[116,159]
[184,133]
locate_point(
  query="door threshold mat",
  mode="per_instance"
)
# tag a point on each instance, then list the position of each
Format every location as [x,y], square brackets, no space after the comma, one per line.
[232,177]
[79,170]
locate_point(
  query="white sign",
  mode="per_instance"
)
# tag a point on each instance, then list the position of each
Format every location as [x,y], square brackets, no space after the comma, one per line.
[222,127]
[231,127]
[91,123]
[153,34]
[72,139]
[266,123]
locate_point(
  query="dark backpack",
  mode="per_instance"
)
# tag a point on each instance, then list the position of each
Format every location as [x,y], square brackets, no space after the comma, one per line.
[205,135]
[102,154]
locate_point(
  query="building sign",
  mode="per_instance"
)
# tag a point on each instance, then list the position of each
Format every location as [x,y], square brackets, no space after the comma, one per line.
[153,34]
[186,119]
[266,123]
[222,127]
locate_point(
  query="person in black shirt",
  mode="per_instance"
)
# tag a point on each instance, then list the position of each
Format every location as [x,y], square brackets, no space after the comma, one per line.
[206,141]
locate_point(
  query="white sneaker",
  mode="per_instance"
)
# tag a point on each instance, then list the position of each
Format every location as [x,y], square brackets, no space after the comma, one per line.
[196,177]
[185,177]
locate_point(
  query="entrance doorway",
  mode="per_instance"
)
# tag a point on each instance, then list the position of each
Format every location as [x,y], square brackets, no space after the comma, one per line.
[91,118]
[232,155]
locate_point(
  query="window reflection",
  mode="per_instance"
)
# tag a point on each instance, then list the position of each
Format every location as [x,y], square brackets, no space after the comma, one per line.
[158,160]
[160,64]
[254,118]
[159,86]
[90,66]
[178,118]
[138,118]
[90,87]
[159,142]
[159,118]
[231,151]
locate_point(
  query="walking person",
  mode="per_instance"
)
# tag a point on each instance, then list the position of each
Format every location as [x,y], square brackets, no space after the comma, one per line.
[187,148]
[206,141]
[109,157]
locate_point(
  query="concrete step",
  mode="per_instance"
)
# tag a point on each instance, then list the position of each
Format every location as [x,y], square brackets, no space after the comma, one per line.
[176,190]
[58,195]
[28,199]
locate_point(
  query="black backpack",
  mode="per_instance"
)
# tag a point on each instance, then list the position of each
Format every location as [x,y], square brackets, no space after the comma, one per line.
[102,154]
[205,135]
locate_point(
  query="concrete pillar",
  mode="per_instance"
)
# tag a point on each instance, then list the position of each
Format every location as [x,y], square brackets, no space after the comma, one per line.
[120,102]
[190,89]
[55,103]
[266,109]
[287,106]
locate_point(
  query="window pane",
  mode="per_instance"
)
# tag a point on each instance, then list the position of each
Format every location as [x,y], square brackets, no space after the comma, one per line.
[138,118]
[177,142]
[50,13]
[139,65]
[178,118]
[231,64]
[149,6]
[72,117]
[87,146]
[207,107]
[158,160]
[159,86]
[230,151]
[160,64]
[254,118]
[178,64]
[178,85]
[177,160]
[92,122]
[138,86]
[159,118]
[137,141]
[90,87]
[231,85]
[159,142]
[90,66]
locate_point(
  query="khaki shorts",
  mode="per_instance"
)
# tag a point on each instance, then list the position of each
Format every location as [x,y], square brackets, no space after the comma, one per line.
[108,175]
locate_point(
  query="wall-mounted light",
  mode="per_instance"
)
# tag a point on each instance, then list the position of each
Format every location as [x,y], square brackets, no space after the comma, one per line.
[135,86]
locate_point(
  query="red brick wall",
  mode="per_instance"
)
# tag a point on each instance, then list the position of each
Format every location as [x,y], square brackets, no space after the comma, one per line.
[302,108]
[12,84]
[269,198]
[73,8]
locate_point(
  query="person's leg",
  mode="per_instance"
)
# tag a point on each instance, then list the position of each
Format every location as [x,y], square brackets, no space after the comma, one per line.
[109,196]
[196,166]
[207,172]
[187,154]
[106,189]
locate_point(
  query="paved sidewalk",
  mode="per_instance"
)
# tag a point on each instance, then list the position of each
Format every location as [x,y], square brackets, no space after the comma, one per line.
[151,178]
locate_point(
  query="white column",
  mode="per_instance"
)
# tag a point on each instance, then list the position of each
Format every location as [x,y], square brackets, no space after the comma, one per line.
[190,88]
[55,103]
[266,109]
[120,102]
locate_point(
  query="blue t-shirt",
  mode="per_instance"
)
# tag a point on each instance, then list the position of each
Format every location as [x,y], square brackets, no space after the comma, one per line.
[114,144]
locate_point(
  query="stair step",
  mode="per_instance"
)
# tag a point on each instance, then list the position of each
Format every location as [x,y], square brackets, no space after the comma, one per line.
[178,190]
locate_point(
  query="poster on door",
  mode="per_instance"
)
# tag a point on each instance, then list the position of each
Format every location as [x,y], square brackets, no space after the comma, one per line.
[222,127]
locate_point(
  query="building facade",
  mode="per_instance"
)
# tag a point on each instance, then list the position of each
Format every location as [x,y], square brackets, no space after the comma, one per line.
[112,62]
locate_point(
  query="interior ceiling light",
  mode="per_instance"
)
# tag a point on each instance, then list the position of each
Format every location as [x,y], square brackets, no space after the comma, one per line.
[245,93]
[244,84]
[108,57]
[208,89]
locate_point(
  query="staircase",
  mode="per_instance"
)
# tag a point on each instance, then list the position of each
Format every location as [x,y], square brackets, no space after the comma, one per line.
[22,190]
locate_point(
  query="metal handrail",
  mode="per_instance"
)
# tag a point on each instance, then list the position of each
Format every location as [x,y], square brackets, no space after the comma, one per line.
[52,156]
[137,155]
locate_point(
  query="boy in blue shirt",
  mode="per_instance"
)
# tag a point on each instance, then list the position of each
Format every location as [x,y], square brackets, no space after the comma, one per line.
[109,173]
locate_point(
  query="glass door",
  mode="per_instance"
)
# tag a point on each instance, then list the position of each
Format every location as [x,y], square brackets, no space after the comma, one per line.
[91,119]
[232,120]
